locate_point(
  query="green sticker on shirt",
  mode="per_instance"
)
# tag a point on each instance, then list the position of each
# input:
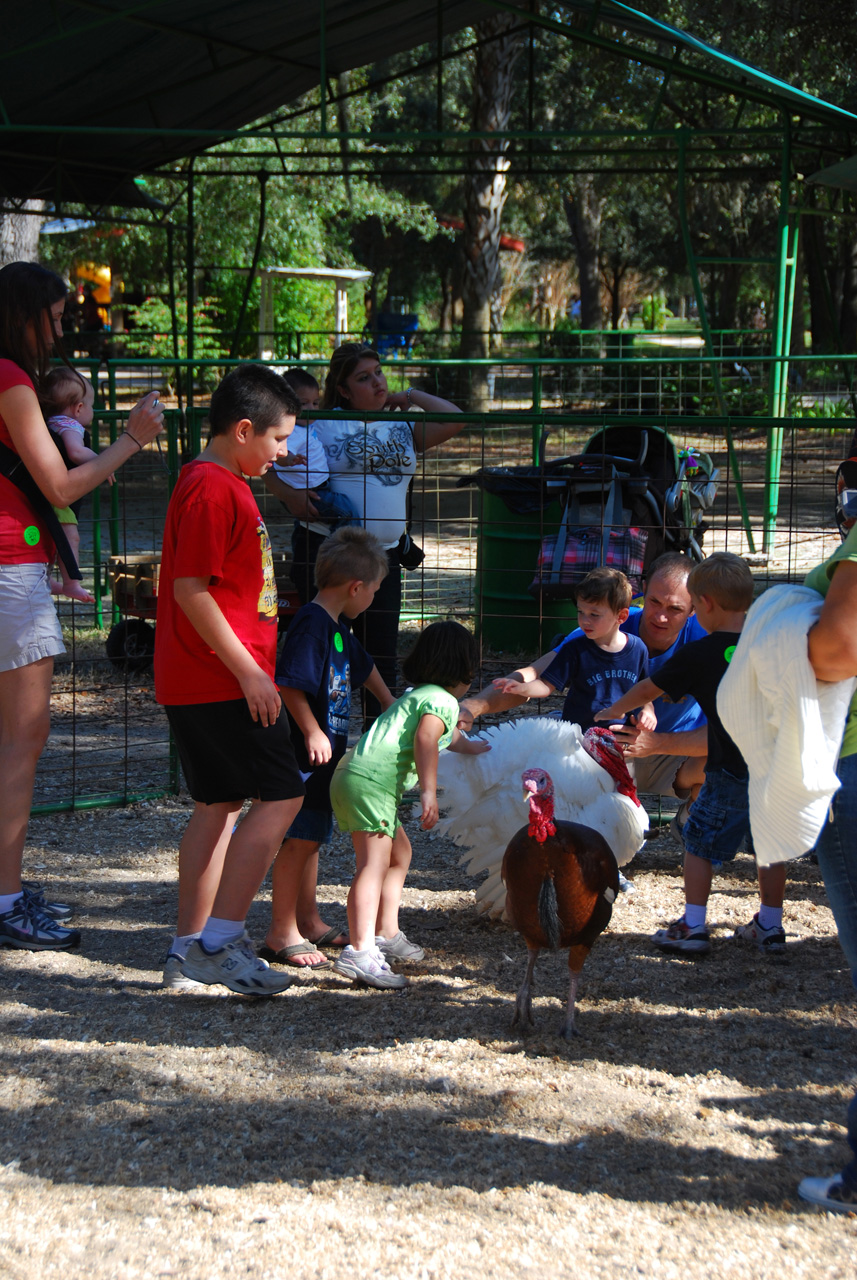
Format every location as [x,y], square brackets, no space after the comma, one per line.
[727,653]
[337,643]
[32,535]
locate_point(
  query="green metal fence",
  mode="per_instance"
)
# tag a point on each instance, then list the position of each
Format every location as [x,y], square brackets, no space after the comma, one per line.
[110,743]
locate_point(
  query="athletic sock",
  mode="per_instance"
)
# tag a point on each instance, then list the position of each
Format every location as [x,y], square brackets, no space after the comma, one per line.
[180,944]
[218,932]
[770,917]
[8,900]
[694,917]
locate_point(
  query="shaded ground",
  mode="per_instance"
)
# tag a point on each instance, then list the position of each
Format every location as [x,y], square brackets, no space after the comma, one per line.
[408,1135]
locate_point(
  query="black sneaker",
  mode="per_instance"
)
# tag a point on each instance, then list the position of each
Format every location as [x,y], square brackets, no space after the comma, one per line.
[30,928]
[34,891]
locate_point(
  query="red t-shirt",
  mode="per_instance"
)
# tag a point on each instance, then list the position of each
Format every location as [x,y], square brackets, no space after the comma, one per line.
[213,530]
[23,538]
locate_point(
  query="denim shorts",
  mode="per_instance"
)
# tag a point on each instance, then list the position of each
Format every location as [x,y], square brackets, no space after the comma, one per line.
[311,824]
[29,626]
[718,825]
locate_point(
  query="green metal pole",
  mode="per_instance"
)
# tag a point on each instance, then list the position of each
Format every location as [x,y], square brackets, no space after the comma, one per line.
[787,252]
[191,281]
[322,63]
[97,585]
[537,404]
[114,488]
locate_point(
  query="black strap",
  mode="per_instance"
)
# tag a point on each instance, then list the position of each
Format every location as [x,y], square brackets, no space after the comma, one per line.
[612,518]
[13,469]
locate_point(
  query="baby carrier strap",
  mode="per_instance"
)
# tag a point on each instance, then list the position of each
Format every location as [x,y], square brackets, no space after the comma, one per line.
[12,467]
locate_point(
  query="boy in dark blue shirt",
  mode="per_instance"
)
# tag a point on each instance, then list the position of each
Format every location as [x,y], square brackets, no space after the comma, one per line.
[320,665]
[600,665]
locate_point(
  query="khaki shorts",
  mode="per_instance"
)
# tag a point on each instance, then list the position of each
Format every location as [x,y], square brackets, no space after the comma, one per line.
[655,775]
[360,804]
[29,626]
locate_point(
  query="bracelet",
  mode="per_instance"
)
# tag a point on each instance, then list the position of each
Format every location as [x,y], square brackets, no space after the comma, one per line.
[408,394]
[127,433]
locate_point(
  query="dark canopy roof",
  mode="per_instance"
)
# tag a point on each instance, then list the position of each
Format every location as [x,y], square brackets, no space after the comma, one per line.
[93,92]
[125,70]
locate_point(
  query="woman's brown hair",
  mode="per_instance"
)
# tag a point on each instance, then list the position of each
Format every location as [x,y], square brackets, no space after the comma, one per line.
[27,293]
[343,362]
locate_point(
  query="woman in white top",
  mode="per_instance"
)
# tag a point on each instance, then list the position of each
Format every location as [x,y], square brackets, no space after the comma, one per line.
[371,463]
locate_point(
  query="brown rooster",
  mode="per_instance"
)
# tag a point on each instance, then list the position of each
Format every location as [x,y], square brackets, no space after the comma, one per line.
[561,881]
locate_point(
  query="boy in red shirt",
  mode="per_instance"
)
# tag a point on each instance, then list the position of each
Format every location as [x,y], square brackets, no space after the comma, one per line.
[215,652]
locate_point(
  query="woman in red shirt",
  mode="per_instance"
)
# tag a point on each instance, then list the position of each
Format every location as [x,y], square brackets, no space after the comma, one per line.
[32,300]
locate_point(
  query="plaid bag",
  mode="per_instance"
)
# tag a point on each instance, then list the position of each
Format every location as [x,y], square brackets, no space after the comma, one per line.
[566,557]
[585,549]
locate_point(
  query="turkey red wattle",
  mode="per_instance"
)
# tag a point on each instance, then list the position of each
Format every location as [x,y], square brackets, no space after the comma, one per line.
[538,790]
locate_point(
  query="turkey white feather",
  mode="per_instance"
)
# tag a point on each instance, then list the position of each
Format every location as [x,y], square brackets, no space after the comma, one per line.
[481,802]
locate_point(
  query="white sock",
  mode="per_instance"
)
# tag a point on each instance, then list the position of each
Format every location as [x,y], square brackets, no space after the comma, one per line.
[180,944]
[694,916]
[770,917]
[8,900]
[217,933]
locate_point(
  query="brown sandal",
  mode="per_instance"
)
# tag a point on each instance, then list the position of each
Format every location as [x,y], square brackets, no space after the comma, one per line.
[287,955]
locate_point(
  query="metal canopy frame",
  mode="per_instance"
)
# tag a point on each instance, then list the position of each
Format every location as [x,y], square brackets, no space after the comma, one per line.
[76,130]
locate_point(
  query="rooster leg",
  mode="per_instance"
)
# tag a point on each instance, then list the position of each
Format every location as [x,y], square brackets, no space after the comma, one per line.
[576,957]
[523,1007]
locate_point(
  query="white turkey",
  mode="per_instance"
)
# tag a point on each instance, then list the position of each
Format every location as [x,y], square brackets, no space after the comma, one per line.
[481,800]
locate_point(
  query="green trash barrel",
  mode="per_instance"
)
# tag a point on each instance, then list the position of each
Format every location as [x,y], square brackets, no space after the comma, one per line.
[508,618]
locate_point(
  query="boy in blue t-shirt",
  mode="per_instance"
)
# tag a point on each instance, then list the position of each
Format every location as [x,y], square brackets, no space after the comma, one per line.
[600,665]
[320,665]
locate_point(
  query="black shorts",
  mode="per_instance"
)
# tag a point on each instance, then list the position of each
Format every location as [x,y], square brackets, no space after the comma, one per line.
[226,755]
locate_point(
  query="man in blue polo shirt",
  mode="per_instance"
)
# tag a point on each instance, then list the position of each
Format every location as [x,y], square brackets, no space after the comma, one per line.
[669,760]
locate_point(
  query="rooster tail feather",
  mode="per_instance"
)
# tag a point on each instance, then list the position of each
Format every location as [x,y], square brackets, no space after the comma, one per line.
[549,913]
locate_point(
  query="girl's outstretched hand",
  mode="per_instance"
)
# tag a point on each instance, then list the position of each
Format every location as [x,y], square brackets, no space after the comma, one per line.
[430,814]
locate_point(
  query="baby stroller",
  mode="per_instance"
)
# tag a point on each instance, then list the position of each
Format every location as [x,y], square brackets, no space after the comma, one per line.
[681,484]
[630,496]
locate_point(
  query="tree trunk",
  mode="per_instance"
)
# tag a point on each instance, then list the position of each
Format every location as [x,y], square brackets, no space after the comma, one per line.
[500,43]
[816,256]
[19,234]
[583,209]
[848,308]
[726,315]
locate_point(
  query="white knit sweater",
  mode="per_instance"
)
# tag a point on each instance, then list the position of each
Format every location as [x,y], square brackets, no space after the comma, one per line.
[787,724]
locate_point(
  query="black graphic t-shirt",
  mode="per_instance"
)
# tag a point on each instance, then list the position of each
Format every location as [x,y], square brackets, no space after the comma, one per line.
[323,659]
[697,669]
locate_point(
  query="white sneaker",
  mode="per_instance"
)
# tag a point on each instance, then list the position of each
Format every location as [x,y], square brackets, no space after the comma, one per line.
[368,966]
[399,948]
[237,967]
[829,1193]
[175,978]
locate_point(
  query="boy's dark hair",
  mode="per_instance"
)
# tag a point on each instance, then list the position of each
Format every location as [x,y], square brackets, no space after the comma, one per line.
[445,654]
[255,392]
[350,555]
[27,293]
[62,388]
[606,586]
[296,378]
[725,578]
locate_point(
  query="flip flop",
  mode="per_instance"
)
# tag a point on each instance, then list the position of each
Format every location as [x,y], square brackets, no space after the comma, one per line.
[287,955]
[327,939]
